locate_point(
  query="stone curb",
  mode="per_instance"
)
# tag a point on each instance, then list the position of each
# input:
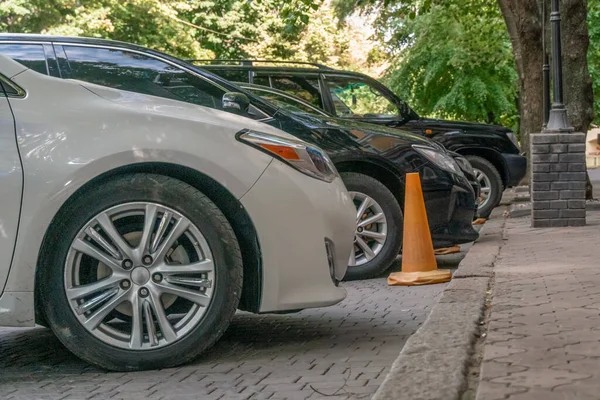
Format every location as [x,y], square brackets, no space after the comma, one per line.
[519,210]
[433,363]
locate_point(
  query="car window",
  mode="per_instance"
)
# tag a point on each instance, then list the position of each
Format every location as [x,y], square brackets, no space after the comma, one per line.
[285,102]
[355,98]
[306,88]
[262,80]
[136,72]
[232,75]
[30,55]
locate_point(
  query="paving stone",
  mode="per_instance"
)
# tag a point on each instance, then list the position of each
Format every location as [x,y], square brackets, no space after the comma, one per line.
[541,394]
[492,370]
[497,391]
[545,315]
[582,389]
[541,377]
[259,357]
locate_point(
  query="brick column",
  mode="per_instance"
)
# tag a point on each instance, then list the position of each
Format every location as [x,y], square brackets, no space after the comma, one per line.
[557,179]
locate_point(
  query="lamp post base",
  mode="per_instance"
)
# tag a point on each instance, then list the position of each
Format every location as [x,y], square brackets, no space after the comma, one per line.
[558,179]
[558,121]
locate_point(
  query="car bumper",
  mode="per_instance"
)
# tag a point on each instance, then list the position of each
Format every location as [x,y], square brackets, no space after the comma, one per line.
[467,170]
[451,213]
[305,229]
[516,165]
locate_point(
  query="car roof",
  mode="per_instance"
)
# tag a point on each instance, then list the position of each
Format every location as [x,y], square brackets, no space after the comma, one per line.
[30,37]
[269,68]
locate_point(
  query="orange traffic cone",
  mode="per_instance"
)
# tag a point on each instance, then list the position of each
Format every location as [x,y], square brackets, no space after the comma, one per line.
[419,266]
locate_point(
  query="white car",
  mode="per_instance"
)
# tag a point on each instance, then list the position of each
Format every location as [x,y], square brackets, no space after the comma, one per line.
[135,226]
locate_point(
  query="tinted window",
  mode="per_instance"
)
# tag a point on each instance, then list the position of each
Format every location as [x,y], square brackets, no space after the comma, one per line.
[231,75]
[279,100]
[306,88]
[30,55]
[354,98]
[138,73]
[262,80]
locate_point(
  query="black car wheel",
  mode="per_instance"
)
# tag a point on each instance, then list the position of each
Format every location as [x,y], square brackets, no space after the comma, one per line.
[491,185]
[379,225]
[143,272]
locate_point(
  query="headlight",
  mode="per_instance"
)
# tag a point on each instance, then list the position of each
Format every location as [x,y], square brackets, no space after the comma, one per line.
[438,158]
[308,159]
[513,138]
[464,164]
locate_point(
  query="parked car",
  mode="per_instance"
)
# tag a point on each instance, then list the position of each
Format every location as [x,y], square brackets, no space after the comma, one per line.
[371,159]
[296,105]
[492,150]
[134,226]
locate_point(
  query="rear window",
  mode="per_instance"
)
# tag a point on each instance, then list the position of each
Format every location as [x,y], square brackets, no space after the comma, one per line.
[30,55]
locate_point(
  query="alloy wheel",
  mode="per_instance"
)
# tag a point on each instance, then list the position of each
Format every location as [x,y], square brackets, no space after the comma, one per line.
[486,187]
[371,229]
[139,276]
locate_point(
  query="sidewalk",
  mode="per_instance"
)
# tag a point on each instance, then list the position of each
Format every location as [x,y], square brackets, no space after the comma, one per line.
[543,339]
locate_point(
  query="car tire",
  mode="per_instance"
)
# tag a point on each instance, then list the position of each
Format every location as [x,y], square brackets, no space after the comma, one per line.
[200,214]
[487,174]
[360,187]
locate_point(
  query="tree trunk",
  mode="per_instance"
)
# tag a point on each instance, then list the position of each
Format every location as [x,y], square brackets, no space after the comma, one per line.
[524,23]
[579,96]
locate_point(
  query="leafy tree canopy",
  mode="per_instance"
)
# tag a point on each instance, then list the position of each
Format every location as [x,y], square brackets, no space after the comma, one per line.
[190,28]
[593,18]
[448,59]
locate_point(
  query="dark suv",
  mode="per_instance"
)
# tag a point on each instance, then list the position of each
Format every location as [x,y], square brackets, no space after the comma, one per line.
[492,150]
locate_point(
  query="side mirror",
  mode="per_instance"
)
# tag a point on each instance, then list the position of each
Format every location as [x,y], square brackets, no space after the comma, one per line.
[235,102]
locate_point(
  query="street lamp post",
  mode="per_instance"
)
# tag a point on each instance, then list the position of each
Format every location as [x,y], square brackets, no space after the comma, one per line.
[557,154]
[545,70]
[557,121]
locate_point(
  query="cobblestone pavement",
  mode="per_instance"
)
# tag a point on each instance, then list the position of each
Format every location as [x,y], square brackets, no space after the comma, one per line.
[543,340]
[344,351]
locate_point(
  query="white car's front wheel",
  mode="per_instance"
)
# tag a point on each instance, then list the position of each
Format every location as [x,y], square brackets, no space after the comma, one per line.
[146,273]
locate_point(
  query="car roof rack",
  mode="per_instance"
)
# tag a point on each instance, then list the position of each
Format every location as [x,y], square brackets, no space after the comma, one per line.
[252,62]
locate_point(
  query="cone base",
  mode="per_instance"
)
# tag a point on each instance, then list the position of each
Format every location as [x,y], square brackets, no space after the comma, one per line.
[419,278]
[447,250]
[480,221]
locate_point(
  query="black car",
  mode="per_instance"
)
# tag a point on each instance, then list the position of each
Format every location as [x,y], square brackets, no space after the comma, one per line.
[371,159]
[492,150]
[296,105]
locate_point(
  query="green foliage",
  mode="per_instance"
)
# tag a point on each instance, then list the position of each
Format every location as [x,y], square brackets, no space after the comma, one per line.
[301,30]
[185,28]
[323,40]
[448,59]
[455,62]
[593,19]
